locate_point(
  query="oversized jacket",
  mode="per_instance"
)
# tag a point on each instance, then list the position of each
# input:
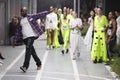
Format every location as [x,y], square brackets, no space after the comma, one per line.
[32,20]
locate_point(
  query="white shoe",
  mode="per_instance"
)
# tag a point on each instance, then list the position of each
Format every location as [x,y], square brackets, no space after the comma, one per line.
[48,47]
[51,47]
[74,58]
[1,63]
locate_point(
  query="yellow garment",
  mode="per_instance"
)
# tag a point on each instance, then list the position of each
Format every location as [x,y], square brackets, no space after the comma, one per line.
[56,43]
[48,39]
[69,17]
[99,50]
[65,32]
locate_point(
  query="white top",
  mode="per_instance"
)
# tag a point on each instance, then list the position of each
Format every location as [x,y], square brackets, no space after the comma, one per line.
[90,21]
[118,22]
[75,22]
[27,30]
[51,21]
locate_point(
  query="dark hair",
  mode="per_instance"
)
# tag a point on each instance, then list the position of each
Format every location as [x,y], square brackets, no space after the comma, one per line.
[100,8]
[118,11]
[113,13]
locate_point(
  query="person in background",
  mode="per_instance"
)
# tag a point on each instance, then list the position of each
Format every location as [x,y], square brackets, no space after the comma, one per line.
[99,50]
[69,14]
[12,28]
[69,17]
[41,23]
[56,41]
[111,35]
[29,31]
[88,36]
[95,10]
[64,27]
[75,35]
[50,25]
[118,27]
[64,11]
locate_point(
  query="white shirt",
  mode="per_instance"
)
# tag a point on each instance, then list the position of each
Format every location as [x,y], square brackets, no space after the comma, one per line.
[27,30]
[51,21]
[75,22]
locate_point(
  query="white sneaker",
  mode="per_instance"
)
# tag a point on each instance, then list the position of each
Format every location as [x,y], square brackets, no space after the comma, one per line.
[48,47]
[74,58]
[1,63]
[51,47]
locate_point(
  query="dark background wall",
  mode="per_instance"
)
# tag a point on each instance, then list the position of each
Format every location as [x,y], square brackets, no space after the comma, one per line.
[85,5]
[45,4]
[112,5]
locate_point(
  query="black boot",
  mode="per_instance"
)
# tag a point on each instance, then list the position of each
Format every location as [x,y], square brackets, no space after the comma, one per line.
[62,51]
[100,61]
[67,50]
[1,57]
[95,61]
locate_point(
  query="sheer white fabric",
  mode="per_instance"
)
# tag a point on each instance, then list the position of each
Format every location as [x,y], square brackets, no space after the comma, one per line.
[88,36]
[118,30]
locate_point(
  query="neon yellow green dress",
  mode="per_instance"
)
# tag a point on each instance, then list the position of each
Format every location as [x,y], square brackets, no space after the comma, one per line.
[56,42]
[65,32]
[99,51]
[48,39]
[69,16]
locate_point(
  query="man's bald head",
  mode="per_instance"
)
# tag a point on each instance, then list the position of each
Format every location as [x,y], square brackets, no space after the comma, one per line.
[23,11]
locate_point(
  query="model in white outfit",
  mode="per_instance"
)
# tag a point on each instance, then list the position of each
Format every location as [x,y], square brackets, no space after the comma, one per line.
[118,30]
[75,34]
[50,26]
[88,37]
[51,21]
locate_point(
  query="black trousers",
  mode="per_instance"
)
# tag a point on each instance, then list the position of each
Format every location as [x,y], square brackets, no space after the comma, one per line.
[30,51]
[110,48]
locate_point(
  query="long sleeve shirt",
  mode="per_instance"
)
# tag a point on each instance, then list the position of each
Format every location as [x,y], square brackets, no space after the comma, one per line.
[32,19]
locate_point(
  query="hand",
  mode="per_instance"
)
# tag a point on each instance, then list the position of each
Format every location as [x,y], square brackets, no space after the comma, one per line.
[50,21]
[103,30]
[77,27]
[108,40]
[95,30]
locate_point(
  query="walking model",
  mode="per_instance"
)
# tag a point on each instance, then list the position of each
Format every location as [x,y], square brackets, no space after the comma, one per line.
[99,51]
[75,35]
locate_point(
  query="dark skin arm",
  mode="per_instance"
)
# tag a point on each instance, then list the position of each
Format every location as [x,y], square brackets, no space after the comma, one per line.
[114,24]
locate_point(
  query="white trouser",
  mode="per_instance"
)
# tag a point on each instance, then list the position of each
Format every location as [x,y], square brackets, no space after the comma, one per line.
[74,44]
